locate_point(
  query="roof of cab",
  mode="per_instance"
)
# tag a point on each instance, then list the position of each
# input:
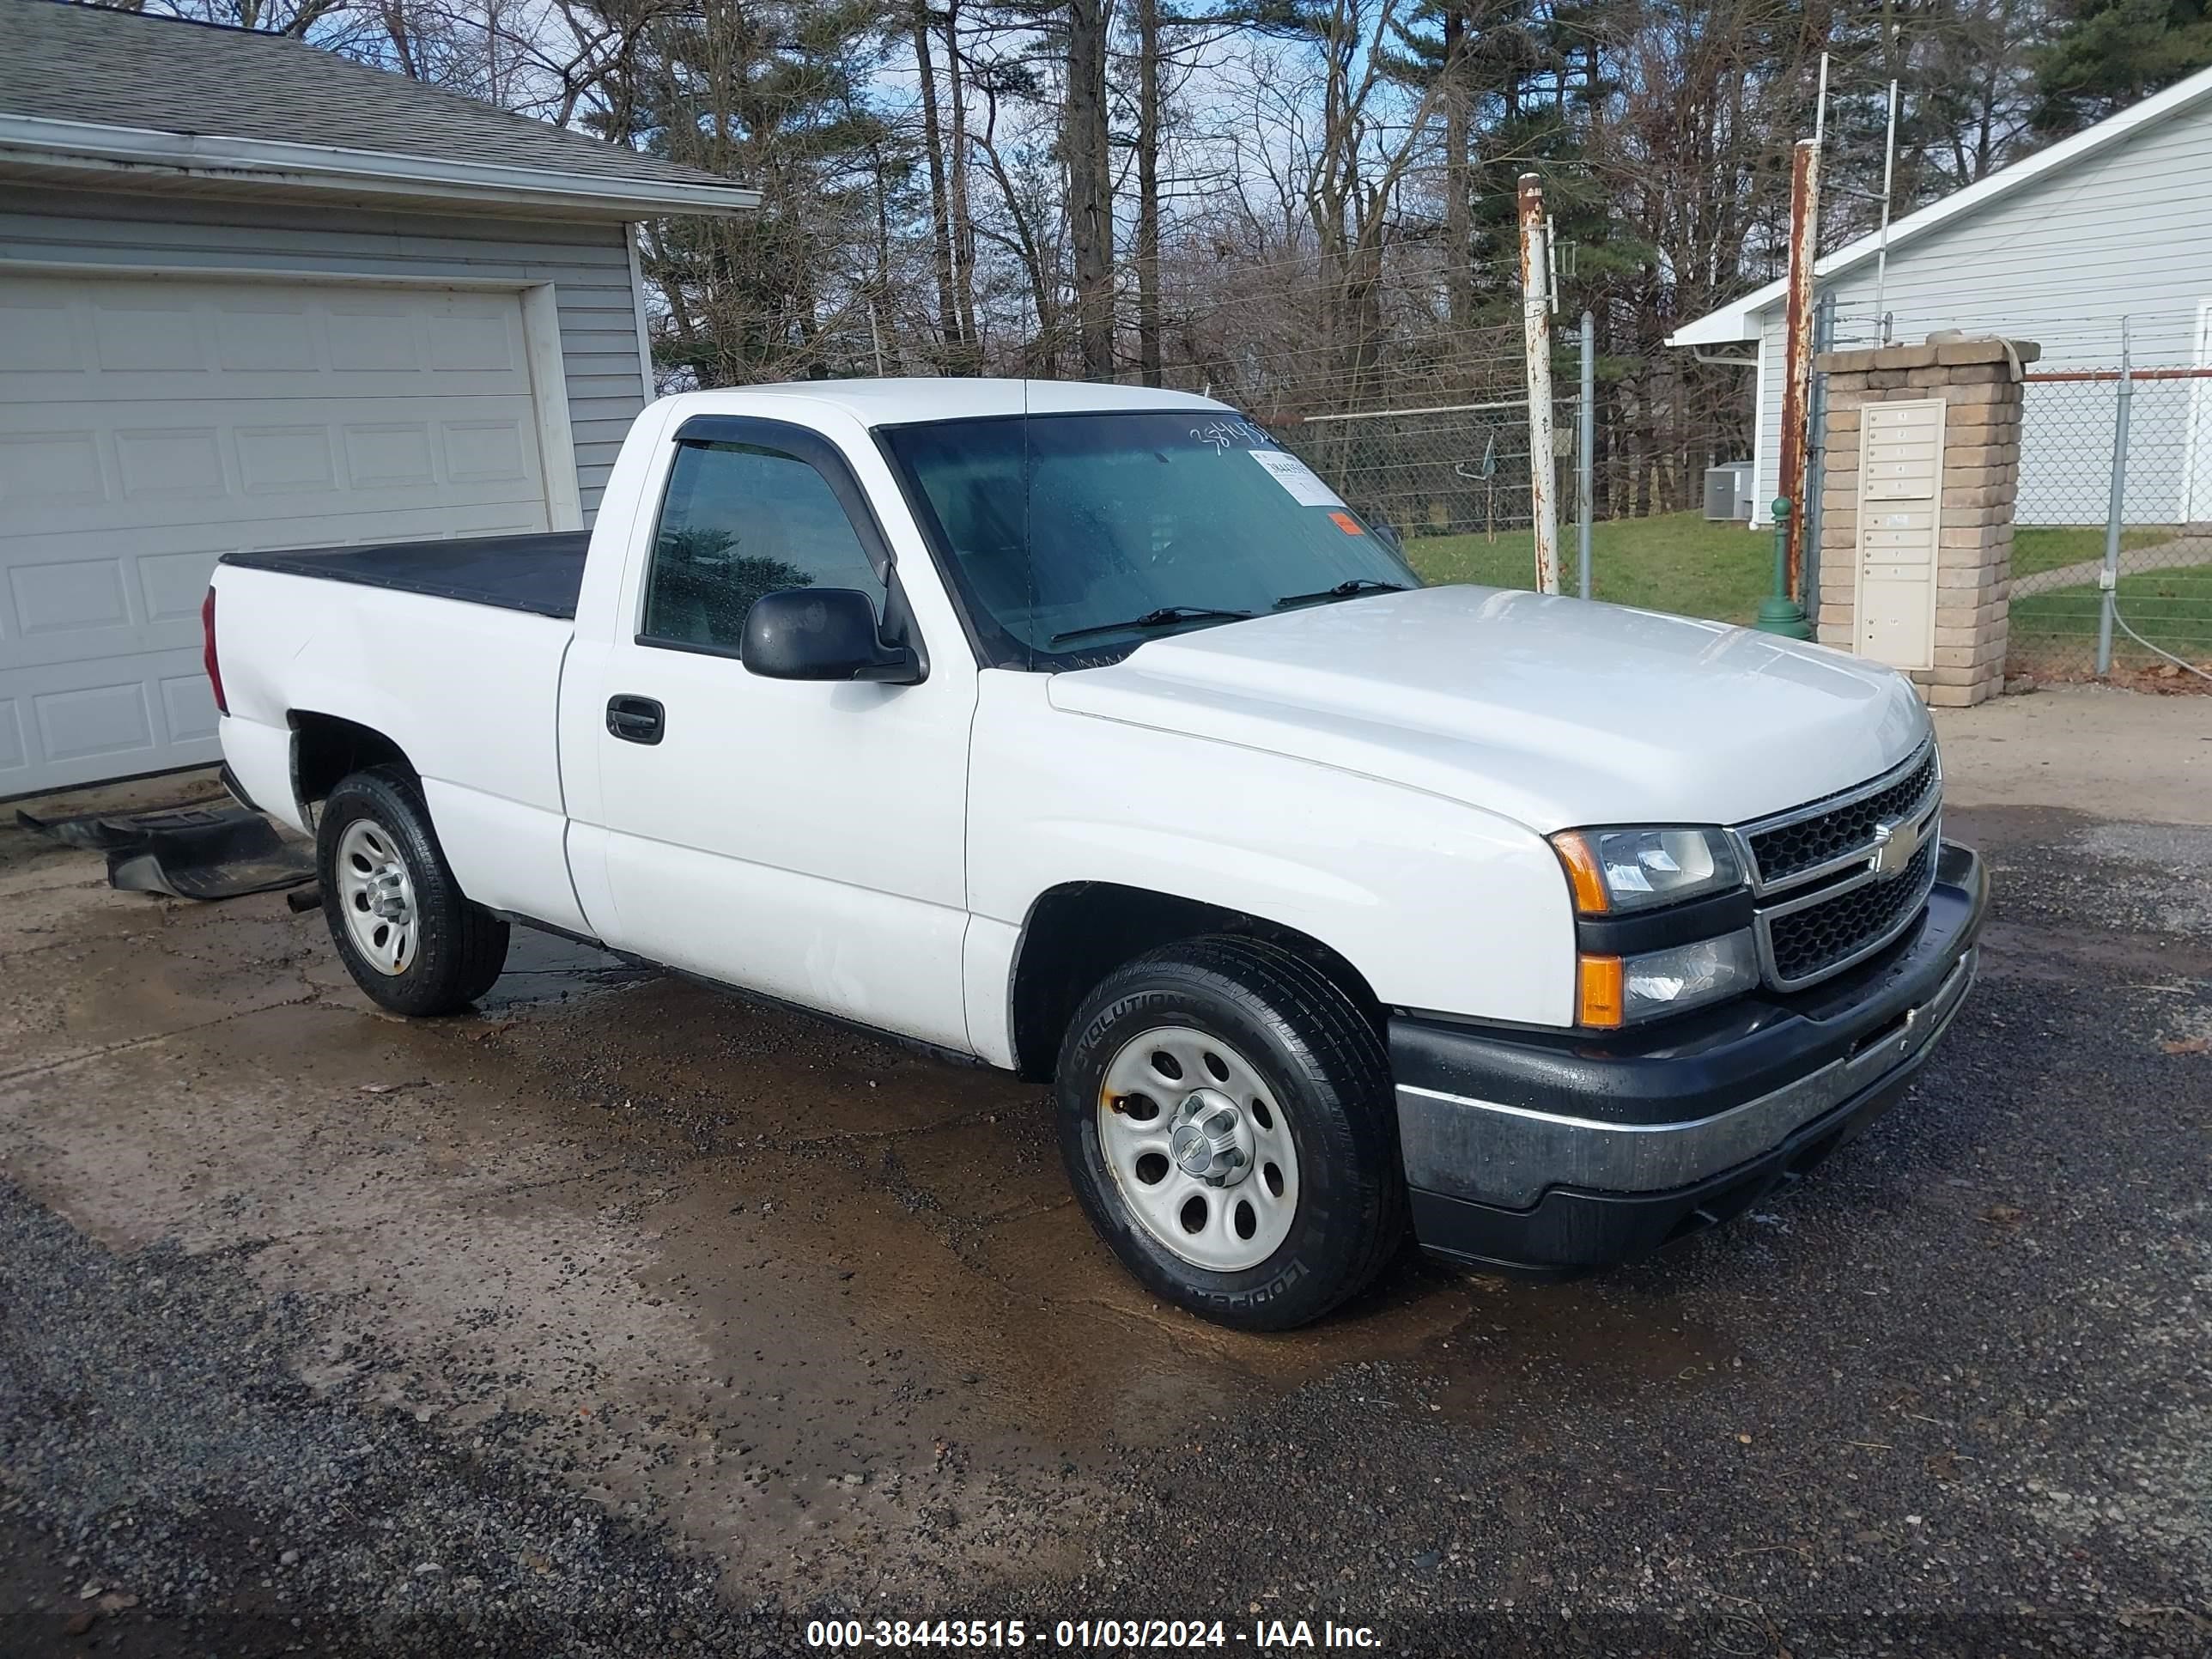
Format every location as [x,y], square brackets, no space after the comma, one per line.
[896,402]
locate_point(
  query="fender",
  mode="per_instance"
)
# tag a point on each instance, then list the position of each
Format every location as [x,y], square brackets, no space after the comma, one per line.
[1438,905]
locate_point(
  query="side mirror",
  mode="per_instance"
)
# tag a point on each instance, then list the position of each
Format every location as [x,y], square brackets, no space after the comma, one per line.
[821,634]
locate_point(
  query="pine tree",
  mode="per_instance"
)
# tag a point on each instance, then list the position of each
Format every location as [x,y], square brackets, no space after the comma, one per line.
[2107,54]
[774,93]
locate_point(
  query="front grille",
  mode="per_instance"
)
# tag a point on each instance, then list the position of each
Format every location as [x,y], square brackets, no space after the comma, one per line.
[1831,933]
[1819,838]
[1820,904]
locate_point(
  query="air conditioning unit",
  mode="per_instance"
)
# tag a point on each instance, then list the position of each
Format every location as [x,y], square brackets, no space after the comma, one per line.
[1727,492]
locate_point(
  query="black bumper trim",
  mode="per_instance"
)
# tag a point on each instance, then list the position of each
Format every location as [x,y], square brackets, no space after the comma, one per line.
[1570,1232]
[236,790]
[1693,1067]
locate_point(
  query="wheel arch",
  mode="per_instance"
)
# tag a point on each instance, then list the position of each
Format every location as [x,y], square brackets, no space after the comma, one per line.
[327,749]
[1078,931]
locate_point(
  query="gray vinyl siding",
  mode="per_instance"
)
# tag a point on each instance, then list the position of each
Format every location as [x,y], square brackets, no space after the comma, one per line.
[588,265]
[1765,484]
[2126,231]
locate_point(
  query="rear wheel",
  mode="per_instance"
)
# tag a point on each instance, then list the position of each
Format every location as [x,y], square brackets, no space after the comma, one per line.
[409,937]
[1226,1118]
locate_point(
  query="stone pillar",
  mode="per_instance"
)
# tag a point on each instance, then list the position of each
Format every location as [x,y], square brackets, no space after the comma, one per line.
[1979,381]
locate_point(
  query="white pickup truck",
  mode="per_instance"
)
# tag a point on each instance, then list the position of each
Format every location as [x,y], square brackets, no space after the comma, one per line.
[1082,731]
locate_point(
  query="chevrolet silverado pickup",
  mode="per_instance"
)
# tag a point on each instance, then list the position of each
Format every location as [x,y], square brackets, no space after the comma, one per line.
[1084,732]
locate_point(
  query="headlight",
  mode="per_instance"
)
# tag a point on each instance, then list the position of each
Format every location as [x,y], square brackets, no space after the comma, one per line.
[1617,991]
[1616,870]
[1616,873]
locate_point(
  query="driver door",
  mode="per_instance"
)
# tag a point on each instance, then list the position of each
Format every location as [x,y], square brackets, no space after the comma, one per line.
[802,839]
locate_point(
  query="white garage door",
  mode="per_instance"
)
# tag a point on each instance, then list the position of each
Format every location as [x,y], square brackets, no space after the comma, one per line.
[148,426]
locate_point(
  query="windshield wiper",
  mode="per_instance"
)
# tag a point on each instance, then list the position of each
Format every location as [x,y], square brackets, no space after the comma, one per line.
[1342,590]
[1159,618]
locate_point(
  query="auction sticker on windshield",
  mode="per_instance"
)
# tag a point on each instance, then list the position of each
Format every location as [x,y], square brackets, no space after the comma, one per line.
[1294,474]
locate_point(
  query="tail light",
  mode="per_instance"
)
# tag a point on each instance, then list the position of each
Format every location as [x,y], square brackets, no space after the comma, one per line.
[208,655]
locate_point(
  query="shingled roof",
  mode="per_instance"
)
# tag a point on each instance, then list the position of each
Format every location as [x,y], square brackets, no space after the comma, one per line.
[227,91]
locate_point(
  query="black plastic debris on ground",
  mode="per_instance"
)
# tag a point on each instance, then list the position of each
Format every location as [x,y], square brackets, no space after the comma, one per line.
[185,852]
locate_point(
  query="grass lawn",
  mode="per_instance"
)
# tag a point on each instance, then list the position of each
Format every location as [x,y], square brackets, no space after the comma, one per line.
[1679,562]
[1676,561]
[2047,547]
[2058,631]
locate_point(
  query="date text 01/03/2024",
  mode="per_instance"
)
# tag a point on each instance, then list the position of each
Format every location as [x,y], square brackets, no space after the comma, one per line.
[1121,1635]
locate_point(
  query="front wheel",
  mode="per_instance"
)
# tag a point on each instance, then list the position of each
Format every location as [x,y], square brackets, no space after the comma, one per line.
[1226,1118]
[406,932]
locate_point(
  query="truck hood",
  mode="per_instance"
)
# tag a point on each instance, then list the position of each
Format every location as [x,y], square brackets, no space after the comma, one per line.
[1551,711]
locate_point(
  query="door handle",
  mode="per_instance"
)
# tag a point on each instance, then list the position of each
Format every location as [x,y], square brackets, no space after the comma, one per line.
[636,720]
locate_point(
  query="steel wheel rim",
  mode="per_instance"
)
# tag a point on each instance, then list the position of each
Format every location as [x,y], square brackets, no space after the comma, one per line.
[1162,1132]
[376,896]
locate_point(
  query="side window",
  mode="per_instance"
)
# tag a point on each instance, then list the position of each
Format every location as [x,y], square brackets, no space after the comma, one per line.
[739,521]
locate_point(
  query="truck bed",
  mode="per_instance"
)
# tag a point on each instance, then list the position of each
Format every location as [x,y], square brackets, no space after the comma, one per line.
[540,574]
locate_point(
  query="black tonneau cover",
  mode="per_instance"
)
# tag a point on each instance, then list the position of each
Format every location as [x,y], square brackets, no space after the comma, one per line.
[542,575]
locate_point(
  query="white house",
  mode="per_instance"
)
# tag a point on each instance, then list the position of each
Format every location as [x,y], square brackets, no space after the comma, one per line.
[2114,222]
[254,295]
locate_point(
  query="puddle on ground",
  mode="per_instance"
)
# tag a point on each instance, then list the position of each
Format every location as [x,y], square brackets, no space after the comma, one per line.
[544,970]
[878,1310]
[798,1291]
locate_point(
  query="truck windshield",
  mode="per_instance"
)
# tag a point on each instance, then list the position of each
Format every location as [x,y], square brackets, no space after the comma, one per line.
[1075,537]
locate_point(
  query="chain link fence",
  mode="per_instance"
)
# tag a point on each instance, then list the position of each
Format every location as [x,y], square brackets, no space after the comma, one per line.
[1453,482]
[1670,525]
[2111,560]
[1670,490]
[2103,460]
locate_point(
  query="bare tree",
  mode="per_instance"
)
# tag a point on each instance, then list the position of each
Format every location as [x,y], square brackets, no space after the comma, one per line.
[1360,154]
[1089,193]
[1313,194]
[1148,190]
[951,325]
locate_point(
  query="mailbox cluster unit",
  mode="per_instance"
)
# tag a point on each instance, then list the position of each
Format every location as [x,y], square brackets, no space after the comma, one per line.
[1900,512]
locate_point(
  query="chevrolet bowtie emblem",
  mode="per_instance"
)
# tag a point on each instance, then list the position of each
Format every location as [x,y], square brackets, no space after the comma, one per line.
[1895,842]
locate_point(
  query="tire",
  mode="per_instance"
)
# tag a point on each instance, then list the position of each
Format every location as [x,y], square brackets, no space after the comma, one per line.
[1262,1028]
[435,952]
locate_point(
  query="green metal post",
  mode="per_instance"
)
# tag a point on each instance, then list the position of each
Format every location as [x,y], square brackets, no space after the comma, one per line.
[1778,613]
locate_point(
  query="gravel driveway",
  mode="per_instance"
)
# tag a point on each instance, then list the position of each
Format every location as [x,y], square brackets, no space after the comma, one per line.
[625,1318]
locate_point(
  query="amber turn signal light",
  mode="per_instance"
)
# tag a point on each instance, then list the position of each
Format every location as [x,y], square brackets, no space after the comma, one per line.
[1583,874]
[1598,999]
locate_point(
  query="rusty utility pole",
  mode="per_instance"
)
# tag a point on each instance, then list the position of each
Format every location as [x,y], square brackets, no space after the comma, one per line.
[1536,337]
[1797,349]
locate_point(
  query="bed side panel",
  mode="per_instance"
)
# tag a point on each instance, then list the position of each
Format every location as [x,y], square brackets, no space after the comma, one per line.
[468,692]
